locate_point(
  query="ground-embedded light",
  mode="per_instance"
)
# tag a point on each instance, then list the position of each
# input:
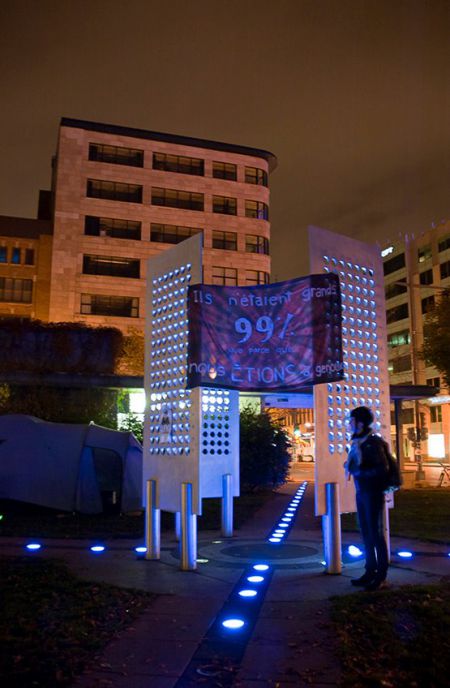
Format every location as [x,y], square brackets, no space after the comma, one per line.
[265,567]
[283,525]
[247,593]
[140,550]
[405,554]
[255,579]
[354,551]
[233,624]
[33,546]
[97,548]
[275,539]
[202,561]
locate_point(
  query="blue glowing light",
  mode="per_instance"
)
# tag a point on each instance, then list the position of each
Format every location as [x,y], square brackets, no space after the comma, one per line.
[405,554]
[33,546]
[255,579]
[274,539]
[97,548]
[247,593]
[140,550]
[354,551]
[265,567]
[233,624]
[286,519]
[283,525]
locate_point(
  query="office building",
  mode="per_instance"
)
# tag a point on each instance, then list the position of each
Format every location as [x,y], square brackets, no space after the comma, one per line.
[119,196]
[417,270]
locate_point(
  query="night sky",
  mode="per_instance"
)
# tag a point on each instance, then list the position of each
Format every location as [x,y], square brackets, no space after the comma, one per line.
[353,97]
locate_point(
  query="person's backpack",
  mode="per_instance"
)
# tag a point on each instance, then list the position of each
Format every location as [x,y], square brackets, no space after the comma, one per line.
[393,475]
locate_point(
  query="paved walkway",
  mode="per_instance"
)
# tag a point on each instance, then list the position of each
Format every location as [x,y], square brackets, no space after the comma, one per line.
[291,643]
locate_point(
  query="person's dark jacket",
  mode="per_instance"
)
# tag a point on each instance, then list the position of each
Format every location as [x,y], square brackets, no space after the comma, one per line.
[372,472]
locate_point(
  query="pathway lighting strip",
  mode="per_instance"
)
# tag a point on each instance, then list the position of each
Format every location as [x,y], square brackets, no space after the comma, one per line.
[280,532]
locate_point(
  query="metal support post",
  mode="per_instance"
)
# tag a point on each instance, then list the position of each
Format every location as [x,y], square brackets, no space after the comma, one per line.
[386,529]
[331,526]
[399,433]
[188,530]
[227,505]
[152,521]
[177,526]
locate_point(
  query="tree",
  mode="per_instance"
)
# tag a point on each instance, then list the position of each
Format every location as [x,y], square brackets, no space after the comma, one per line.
[264,451]
[436,334]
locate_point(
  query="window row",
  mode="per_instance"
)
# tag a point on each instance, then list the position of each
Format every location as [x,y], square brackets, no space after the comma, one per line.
[16,255]
[170,234]
[16,290]
[229,276]
[173,198]
[399,338]
[182,164]
[111,266]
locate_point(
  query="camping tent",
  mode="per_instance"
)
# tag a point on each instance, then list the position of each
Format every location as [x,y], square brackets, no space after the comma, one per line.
[68,467]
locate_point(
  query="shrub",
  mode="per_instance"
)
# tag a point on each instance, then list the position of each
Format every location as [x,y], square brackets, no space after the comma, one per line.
[264,451]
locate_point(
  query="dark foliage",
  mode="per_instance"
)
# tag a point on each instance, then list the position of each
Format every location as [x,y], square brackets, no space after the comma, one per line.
[61,404]
[436,332]
[394,638]
[52,623]
[37,347]
[264,451]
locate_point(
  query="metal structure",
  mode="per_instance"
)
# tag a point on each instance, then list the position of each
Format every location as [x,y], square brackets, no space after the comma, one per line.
[360,269]
[191,437]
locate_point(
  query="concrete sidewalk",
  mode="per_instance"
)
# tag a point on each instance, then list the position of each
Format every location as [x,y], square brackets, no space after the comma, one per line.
[291,644]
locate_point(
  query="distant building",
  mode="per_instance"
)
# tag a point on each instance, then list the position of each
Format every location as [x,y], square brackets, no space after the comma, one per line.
[416,271]
[119,196]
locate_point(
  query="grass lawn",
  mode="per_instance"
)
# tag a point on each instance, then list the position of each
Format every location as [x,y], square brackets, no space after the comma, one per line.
[31,521]
[421,513]
[52,623]
[395,639]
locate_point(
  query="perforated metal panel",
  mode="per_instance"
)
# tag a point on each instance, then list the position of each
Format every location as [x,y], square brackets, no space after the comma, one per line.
[365,382]
[189,435]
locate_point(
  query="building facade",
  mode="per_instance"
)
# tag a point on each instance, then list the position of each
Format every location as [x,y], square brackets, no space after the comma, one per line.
[417,270]
[120,196]
[25,267]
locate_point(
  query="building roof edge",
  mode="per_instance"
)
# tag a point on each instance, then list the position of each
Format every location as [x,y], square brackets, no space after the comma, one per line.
[170,138]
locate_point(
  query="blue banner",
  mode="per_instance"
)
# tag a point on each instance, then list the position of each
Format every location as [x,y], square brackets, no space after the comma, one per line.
[282,336]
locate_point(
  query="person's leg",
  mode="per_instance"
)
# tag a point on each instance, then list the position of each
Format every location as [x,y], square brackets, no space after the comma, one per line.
[363,507]
[375,518]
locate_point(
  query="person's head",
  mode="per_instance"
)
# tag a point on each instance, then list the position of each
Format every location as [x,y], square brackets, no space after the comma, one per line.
[361,418]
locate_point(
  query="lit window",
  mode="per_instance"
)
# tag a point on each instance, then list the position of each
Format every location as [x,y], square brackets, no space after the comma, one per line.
[253,175]
[256,209]
[116,155]
[181,164]
[111,266]
[16,290]
[172,198]
[424,253]
[111,227]
[114,191]
[224,205]
[224,276]
[224,240]
[117,306]
[256,244]
[225,170]
[171,234]
[256,277]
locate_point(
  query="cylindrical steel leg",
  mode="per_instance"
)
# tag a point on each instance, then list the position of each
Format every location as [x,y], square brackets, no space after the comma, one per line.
[177,526]
[152,522]
[386,529]
[332,529]
[227,505]
[188,530]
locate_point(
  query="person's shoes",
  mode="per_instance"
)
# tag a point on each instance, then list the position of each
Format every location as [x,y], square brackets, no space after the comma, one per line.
[364,580]
[376,584]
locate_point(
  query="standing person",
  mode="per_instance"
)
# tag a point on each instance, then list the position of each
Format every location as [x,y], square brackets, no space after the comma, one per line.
[367,463]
